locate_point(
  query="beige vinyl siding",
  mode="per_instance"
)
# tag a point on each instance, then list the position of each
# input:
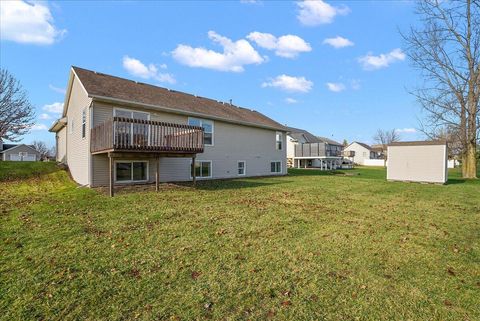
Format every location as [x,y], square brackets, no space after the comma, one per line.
[255,146]
[425,163]
[78,148]
[361,153]
[61,137]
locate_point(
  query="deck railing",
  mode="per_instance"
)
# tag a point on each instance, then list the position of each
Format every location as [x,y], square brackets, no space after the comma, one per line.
[315,150]
[127,134]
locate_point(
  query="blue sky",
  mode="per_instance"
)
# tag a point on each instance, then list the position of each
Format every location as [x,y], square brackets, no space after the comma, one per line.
[337,69]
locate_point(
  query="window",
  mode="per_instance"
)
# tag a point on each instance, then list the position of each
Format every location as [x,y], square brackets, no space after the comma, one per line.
[279,140]
[131,171]
[71,126]
[84,123]
[133,133]
[207,129]
[203,168]
[276,167]
[241,168]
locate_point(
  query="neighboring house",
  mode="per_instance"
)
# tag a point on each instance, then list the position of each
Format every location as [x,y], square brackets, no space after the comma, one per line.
[118,131]
[418,161]
[361,154]
[18,152]
[305,150]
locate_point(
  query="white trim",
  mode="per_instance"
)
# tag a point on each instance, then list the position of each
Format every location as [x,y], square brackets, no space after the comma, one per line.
[182,112]
[202,161]
[89,142]
[207,120]
[281,166]
[244,168]
[131,161]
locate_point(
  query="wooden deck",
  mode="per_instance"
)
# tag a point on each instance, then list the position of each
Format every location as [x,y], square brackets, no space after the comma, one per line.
[120,134]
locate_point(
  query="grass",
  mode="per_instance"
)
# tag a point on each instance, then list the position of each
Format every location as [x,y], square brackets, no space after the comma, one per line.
[20,170]
[308,246]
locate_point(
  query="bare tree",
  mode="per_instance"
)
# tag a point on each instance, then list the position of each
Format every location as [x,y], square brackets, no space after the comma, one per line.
[385,137]
[446,50]
[42,148]
[16,112]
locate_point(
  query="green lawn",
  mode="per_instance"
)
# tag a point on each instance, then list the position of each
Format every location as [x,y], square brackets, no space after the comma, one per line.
[308,246]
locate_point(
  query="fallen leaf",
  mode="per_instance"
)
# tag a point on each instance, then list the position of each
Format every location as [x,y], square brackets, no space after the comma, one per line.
[196,274]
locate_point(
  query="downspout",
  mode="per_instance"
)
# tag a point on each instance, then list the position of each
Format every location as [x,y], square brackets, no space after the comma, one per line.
[90,158]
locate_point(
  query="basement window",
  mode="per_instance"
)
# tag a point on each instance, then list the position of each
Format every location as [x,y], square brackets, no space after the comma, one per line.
[131,171]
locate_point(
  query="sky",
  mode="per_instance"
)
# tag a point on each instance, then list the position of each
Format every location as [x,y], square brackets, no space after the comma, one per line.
[337,69]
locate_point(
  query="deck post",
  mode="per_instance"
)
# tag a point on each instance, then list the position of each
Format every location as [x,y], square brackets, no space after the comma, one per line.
[194,175]
[110,172]
[157,175]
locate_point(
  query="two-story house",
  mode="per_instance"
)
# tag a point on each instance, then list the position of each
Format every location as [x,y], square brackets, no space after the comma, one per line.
[305,150]
[116,131]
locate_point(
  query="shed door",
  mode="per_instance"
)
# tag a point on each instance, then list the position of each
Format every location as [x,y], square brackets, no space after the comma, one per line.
[29,158]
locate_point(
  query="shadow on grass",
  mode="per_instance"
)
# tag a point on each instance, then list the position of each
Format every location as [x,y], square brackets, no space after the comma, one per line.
[453,181]
[227,184]
[360,172]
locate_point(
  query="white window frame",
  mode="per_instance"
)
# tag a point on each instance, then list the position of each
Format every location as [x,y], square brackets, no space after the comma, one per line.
[84,123]
[133,111]
[202,161]
[244,167]
[131,174]
[281,140]
[281,166]
[201,125]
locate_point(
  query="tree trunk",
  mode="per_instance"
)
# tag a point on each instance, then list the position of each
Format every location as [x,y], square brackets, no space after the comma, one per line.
[470,162]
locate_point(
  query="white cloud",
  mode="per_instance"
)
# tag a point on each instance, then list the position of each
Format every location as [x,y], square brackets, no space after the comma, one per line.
[250,1]
[287,46]
[335,87]
[28,23]
[137,68]
[371,62]
[44,116]
[338,42]
[317,12]
[39,127]
[55,108]
[57,89]
[290,83]
[406,130]
[234,57]
[291,100]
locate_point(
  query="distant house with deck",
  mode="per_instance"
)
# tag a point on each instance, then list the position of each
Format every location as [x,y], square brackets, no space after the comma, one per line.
[363,154]
[305,150]
[115,131]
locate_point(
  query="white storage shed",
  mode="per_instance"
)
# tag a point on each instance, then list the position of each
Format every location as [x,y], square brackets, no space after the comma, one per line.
[418,161]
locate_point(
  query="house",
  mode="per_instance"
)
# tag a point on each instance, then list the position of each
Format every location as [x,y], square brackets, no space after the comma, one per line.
[363,154]
[18,152]
[305,150]
[116,131]
[418,161]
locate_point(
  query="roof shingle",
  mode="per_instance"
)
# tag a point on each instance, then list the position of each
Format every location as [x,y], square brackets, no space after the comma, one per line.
[107,86]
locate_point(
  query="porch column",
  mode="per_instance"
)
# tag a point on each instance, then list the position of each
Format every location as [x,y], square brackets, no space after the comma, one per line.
[110,173]
[157,175]
[194,174]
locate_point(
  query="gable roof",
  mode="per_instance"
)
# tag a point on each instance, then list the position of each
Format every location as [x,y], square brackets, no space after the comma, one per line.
[106,87]
[329,141]
[9,147]
[361,144]
[297,134]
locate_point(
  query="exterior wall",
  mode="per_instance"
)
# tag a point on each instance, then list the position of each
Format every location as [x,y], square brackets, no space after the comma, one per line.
[232,143]
[420,163]
[361,153]
[374,162]
[22,148]
[78,148]
[290,147]
[61,137]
